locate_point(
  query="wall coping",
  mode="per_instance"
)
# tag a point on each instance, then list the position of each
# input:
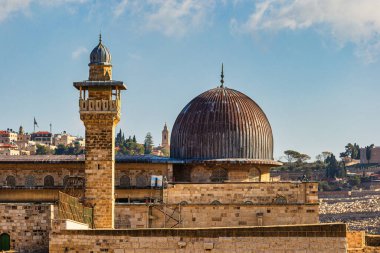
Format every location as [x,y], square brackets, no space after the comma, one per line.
[313,230]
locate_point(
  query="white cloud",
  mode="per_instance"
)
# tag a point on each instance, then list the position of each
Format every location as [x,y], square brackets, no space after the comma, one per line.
[175,18]
[120,8]
[170,17]
[8,7]
[346,21]
[77,53]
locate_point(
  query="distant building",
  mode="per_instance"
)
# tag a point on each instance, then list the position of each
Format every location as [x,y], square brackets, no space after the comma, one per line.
[9,149]
[43,137]
[8,136]
[374,158]
[64,139]
[165,138]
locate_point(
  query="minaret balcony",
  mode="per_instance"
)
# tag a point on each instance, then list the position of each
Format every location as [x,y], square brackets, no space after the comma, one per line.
[99,106]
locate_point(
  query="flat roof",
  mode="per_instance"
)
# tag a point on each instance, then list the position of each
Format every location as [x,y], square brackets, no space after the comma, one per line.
[111,83]
[81,159]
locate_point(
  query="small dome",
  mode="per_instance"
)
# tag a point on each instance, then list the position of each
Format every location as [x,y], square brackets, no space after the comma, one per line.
[100,55]
[222,123]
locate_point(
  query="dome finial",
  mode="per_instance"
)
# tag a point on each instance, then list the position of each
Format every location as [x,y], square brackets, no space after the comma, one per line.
[222,78]
[100,37]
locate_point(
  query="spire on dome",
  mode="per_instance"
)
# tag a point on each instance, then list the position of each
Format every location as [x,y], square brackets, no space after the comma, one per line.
[222,78]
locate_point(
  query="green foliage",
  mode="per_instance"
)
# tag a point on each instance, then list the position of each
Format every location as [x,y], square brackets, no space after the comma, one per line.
[43,150]
[294,156]
[148,143]
[128,146]
[354,181]
[69,150]
[352,151]
[333,168]
[368,152]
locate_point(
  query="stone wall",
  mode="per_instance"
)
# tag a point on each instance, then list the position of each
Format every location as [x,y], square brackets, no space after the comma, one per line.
[37,174]
[28,226]
[60,171]
[256,193]
[291,239]
[206,215]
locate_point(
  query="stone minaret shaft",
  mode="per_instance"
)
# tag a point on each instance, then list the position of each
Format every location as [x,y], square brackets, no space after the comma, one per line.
[99,106]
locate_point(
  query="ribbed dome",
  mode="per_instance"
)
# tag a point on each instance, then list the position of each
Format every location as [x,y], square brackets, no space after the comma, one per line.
[222,123]
[100,54]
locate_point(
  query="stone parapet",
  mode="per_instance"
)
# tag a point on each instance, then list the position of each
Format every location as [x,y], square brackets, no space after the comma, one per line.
[291,239]
[244,192]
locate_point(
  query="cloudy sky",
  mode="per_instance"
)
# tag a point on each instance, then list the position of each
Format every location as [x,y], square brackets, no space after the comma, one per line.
[312,65]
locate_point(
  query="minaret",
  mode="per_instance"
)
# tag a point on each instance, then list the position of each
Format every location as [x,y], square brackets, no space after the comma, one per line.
[165,138]
[99,108]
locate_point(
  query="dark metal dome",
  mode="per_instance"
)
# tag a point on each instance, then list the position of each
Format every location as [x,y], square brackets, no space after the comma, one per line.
[222,123]
[100,54]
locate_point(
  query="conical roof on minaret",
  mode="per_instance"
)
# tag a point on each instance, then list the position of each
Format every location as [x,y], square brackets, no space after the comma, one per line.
[100,55]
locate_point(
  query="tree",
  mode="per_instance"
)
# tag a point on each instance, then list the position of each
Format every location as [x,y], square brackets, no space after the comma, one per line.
[368,152]
[302,158]
[60,150]
[148,143]
[333,168]
[42,150]
[352,151]
[291,155]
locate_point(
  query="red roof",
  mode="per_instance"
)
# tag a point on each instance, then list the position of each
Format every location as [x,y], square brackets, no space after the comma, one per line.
[8,146]
[42,132]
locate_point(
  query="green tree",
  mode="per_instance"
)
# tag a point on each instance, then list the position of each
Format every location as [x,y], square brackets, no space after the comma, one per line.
[148,143]
[333,168]
[43,150]
[60,150]
[368,152]
[291,155]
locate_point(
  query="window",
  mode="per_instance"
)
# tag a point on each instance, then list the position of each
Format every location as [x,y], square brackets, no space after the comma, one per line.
[141,181]
[281,200]
[125,182]
[5,242]
[49,181]
[30,181]
[219,175]
[11,181]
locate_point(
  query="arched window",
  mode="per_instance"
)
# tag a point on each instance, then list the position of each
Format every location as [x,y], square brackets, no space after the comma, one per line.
[30,181]
[11,181]
[281,200]
[5,242]
[219,175]
[141,181]
[125,181]
[216,202]
[254,175]
[65,180]
[49,181]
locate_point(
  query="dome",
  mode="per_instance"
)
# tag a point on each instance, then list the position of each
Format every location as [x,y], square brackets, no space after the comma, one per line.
[222,123]
[100,55]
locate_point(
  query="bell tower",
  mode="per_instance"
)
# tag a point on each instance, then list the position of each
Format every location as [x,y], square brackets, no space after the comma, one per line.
[99,108]
[165,138]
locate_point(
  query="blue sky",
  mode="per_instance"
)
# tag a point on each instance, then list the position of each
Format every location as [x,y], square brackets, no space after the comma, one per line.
[312,65]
